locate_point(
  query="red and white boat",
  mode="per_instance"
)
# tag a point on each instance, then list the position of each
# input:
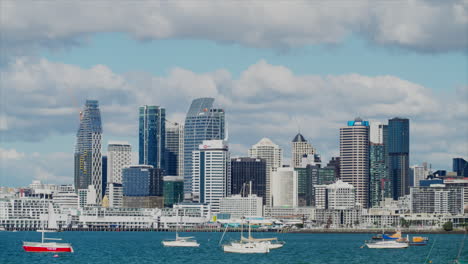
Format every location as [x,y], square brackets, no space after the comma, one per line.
[47,246]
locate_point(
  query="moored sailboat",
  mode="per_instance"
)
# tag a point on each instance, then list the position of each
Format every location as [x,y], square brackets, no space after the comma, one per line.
[180,241]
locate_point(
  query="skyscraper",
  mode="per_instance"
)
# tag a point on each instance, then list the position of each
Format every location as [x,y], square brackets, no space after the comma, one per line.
[174,149]
[398,151]
[201,123]
[152,133]
[380,185]
[104,174]
[300,147]
[273,155]
[354,158]
[245,170]
[88,159]
[173,190]
[211,173]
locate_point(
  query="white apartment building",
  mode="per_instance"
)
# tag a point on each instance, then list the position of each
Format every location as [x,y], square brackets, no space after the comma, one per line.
[238,206]
[419,173]
[340,195]
[284,187]
[273,155]
[211,173]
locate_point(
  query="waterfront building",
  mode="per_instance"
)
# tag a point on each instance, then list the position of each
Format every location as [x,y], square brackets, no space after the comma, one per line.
[142,180]
[151,136]
[173,190]
[398,151]
[211,170]
[245,170]
[300,147]
[88,157]
[121,218]
[87,197]
[458,183]
[175,149]
[380,184]
[203,122]
[114,194]
[320,200]
[287,213]
[272,154]
[284,187]
[438,199]
[339,195]
[338,218]
[354,158]
[460,166]
[65,199]
[238,206]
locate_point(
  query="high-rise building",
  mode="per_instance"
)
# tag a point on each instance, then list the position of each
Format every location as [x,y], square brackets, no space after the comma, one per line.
[354,158]
[379,185]
[300,147]
[460,166]
[437,199]
[203,122]
[398,151]
[88,157]
[119,156]
[335,163]
[211,170]
[151,136]
[238,206]
[173,190]
[284,187]
[245,170]
[175,149]
[142,180]
[273,155]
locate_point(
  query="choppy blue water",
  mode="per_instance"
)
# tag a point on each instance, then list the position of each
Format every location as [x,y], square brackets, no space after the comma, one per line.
[145,247]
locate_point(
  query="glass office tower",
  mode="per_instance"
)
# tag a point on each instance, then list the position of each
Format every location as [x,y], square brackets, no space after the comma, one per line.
[398,154]
[201,123]
[152,134]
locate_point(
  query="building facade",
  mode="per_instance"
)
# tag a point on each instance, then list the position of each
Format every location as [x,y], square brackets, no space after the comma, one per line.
[237,206]
[203,122]
[460,166]
[354,158]
[142,180]
[284,187]
[151,136]
[173,190]
[398,151]
[438,199]
[300,147]
[211,170]
[119,156]
[273,155]
[88,157]
[245,170]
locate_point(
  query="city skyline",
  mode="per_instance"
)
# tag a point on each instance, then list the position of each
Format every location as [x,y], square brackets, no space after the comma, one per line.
[284,81]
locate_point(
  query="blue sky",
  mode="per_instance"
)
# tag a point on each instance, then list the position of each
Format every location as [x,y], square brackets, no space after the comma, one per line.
[272,66]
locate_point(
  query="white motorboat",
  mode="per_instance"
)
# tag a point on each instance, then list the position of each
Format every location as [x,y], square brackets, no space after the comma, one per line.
[180,241]
[387,244]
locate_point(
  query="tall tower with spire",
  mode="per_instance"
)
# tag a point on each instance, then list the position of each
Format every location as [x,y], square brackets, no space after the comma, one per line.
[300,147]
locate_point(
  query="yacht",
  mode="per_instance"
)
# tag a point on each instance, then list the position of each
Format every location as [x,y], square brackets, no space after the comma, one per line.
[398,243]
[180,241]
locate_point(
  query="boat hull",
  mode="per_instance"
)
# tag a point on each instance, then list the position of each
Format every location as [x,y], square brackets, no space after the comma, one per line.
[246,248]
[180,244]
[385,244]
[47,247]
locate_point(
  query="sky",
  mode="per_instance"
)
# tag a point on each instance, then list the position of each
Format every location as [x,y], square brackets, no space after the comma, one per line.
[277,68]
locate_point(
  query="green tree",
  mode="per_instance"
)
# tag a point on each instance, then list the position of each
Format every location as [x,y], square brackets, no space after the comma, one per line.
[448,226]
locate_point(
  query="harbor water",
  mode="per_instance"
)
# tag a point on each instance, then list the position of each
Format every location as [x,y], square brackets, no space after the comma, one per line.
[146,247]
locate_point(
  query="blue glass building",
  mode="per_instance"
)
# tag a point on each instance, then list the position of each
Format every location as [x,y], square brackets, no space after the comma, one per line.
[104,175]
[203,122]
[380,185]
[151,135]
[88,160]
[398,154]
[142,180]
